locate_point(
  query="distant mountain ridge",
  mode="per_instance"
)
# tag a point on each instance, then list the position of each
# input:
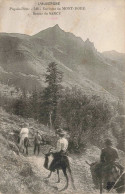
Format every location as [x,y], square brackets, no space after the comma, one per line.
[24,59]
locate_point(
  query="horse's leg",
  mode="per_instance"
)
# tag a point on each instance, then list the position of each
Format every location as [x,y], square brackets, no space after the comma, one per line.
[27,150]
[49,175]
[100,185]
[67,180]
[23,147]
[72,179]
[34,149]
[58,176]
[38,149]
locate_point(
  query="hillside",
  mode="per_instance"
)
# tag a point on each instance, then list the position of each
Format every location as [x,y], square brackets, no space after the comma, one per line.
[27,174]
[18,173]
[21,174]
[116,59]
[24,59]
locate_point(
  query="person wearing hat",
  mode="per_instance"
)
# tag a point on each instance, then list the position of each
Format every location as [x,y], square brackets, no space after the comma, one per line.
[108,159]
[37,141]
[108,154]
[62,143]
[60,150]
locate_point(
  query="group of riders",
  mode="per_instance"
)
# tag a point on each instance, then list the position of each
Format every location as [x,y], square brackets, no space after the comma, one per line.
[108,170]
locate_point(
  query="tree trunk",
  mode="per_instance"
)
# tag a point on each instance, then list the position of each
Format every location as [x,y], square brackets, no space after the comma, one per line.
[50,120]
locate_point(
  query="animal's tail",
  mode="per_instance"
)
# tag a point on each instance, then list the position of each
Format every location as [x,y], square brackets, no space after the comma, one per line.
[88,163]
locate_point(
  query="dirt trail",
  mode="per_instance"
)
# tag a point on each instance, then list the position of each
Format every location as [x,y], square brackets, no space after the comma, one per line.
[80,170]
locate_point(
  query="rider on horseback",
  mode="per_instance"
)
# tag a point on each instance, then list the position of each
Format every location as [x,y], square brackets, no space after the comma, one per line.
[107,168]
[23,134]
[60,160]
[60,151]
[108,154]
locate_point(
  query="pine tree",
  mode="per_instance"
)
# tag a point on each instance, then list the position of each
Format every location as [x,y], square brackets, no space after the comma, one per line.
[34,104]
[51,94]
[21,105]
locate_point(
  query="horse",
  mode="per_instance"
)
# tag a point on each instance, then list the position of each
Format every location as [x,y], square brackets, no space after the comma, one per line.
[114,180]
[63,165]
[26,144]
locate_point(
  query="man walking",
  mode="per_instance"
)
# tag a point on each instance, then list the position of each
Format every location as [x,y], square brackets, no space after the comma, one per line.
[37,141]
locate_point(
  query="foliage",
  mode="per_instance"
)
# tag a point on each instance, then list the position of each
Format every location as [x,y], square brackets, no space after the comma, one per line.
[34,102]
[84,115]
[51,94]
[21,105]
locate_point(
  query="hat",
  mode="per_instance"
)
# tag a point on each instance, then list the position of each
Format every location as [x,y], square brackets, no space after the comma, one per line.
[60,132]
[108,142]
[24,124]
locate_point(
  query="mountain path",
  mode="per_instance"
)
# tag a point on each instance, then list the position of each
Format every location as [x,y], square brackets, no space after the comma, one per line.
[80,171]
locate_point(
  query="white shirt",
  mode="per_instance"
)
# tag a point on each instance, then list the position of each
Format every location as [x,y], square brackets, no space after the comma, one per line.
[62,144]
[24,132]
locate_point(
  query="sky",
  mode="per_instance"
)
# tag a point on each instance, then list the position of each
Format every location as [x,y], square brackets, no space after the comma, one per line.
[102,21]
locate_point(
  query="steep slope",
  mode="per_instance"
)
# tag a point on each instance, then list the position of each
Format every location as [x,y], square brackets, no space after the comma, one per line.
[116,59]
[17,173]
[84,59]
[24,59]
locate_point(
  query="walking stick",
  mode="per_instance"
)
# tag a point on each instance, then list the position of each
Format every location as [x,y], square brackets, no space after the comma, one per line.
[116,181]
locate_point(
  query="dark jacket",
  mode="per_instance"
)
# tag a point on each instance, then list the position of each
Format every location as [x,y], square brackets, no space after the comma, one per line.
[37,139]
[109,154]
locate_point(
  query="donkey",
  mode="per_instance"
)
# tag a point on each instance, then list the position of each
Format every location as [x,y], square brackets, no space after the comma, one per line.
[116,180]
[63,165]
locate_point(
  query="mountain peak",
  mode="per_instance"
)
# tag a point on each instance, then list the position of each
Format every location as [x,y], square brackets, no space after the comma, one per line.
[88,42]
[56,26]
[53,29]
[88,45]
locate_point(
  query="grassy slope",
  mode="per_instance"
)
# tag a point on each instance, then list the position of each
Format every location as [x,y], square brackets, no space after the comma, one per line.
[18,175]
